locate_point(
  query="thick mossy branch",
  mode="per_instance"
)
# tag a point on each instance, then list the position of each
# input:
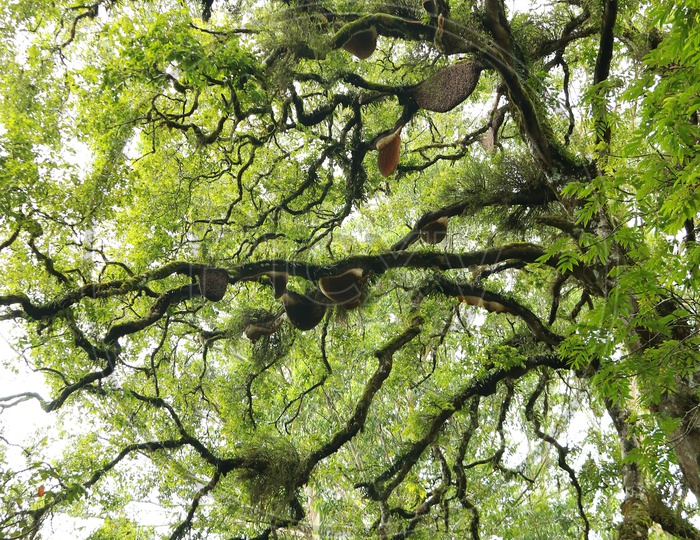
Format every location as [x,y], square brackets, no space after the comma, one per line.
[387,25]
[383,262]
[502,304]
[107,289]
[535,196]
[317,116]
[496,23]
[607,37]
[636,518]
[602,71]
[670,520]
[530,119]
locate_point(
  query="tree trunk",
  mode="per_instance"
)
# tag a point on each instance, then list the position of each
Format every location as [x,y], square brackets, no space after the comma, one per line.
[635,512]
[684,404]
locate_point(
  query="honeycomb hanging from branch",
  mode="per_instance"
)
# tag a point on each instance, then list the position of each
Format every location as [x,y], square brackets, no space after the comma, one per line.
[213,283]
[448,87]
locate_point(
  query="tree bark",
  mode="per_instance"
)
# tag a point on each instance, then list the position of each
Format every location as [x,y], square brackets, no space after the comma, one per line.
[635,513]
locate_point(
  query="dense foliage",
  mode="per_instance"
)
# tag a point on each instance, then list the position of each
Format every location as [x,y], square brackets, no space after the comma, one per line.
[351,269]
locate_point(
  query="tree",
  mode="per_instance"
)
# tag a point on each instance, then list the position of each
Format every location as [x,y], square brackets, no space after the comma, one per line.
[353,269]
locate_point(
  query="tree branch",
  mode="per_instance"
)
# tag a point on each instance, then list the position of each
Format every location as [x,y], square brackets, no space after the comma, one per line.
[487,385]
[183,527]
[356,422]
[562,451]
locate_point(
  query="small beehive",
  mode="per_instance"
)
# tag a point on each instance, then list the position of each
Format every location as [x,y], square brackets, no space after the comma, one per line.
[362,44]
[304,311]
[435,231]
[389,149]
[344,289]
[213,283]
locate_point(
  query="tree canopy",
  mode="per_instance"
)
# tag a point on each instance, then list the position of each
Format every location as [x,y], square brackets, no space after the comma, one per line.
[352,269]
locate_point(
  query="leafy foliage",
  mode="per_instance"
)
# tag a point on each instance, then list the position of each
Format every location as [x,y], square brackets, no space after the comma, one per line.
[510,349]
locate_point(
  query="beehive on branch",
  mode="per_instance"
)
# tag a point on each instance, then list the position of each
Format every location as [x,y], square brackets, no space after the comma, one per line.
[213,283]
[362,44]
[389,148]
[448,87]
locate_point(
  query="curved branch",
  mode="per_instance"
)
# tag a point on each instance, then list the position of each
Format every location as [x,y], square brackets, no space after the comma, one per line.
[355,423]
[671,521]
[16,399]
[111,349]
[11,239]
[436,497]
[562,451]
[183,527]
[158,309]
[48,263]
[533,128]
[459,469]
[202,450]
[573,30]
[384,24]
[536,326]
[151,446]
[487,385]
[320,114]
[91,11]
[82,383]
[536,196]
[99,290]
